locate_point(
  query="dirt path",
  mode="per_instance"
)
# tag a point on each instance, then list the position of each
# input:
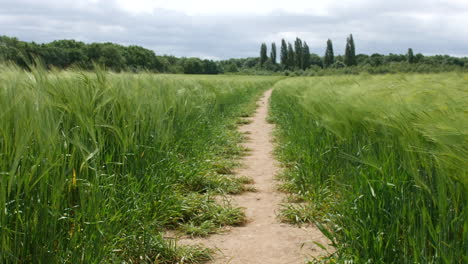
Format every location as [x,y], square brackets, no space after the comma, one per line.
[263,239]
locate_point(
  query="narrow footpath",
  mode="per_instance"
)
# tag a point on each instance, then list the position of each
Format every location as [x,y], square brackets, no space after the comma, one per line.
[263,239]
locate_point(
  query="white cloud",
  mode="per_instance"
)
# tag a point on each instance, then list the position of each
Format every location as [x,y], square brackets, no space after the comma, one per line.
[217,7]
[224,29]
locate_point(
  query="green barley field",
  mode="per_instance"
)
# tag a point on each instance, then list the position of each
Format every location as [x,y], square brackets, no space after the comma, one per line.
[380,163]
[95,166]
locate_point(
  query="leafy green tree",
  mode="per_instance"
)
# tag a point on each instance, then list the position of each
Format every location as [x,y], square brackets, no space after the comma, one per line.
[171,64]
[93,52]
[291,57]
[338,64]
[362,59]
[376,59]
[305,56]
[139,58]
[329,57]
[273,53]
[419,58]
[315,60]
[67,44]
[410,56]
[350,52]
[210,67]
[298,53]
[251,62]
[270,66]
[263,54]
[53,56]
[62,53]
[192,66]
[76,56]
[353,50]
[395,58]
[10,54]
[111,55]
[231,67]
[284,53]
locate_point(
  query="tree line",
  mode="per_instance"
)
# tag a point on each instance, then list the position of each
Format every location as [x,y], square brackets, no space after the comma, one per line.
[297,56]
[70,53]
[291,59]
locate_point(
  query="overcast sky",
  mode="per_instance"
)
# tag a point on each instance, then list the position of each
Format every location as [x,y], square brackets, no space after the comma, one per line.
[229,29]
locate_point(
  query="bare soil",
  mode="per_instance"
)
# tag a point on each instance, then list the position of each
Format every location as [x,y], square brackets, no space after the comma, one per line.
[264,239]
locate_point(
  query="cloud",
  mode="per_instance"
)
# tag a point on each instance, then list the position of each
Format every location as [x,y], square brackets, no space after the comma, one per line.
[427,26]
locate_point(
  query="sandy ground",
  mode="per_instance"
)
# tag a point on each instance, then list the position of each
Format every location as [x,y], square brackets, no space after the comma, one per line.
[263,239]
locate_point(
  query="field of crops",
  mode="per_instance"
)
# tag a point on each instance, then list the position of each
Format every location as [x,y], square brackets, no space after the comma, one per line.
[93,166]
[379,162]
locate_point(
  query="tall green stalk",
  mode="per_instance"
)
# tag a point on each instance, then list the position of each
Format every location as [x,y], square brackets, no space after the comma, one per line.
[393,150]
[93,165]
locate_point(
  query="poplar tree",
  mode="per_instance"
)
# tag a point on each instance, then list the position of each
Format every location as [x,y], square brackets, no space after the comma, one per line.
[263,54]
[291,56]
[350,52]
[329,58]
[410,56]
[305,56]
[353,50]
[273,53]
[284,53]
[298,53]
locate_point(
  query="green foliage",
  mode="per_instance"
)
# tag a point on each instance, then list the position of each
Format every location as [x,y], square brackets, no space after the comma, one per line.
[136,59]
[298,61]
[291,57]
[315,61]
[298,54]
[202,216]
[350,52]
[384,157]
[338,64]
[231,67]
[410,56]
[111,56]
[94,166]
[376,60]
[263,54]
[284,53]
[192,66]
[65,54]
[329,57]
[273,53]
[306,57]
[197,66]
